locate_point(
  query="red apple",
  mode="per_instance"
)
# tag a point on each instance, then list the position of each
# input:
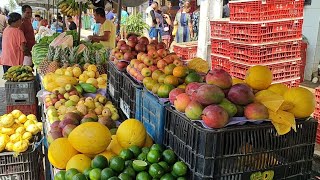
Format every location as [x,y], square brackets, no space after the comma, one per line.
[140,47]
[148,61]
[162,53]
[161,64]
[121,65]
[143,40]
[120,43]
[152,53]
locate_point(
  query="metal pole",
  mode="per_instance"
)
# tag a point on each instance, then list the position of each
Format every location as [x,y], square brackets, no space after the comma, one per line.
[119,14]
[79,26]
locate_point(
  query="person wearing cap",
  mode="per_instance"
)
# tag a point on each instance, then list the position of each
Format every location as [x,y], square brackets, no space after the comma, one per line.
[13,43]
[72,24]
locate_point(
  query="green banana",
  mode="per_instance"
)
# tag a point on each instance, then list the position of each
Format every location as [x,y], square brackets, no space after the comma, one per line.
[89,88]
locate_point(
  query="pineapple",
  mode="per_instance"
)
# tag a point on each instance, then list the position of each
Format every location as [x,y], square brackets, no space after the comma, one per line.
[64,58]
[55,64]
[43,66]
[73,57]
[100,67]
[86,56]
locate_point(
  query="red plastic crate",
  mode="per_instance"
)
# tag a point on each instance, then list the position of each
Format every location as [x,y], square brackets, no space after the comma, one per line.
[220,28]
[186,51]
[220,62]
[221,47]
[265,54]
[260,10]
[266,32]
[282,72]
[291,84]
[25,109]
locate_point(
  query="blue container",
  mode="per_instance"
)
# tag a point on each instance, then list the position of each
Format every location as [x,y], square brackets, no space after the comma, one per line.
[152,114]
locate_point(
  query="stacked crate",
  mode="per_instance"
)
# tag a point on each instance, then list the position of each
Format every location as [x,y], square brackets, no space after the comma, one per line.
[316,113]
[187,50]
[220,44]
[267,32]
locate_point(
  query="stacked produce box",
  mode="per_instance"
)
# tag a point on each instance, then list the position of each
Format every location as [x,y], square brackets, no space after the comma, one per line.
[220,44]
[266,32]
[186,50]
[316,113]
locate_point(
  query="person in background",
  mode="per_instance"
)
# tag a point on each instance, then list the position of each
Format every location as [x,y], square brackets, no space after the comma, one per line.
[72,25]
[3,25]
[35,23]
[14,43]
[151,20]
[27,29]
[195,23]
[159,27]
[166,26]
[86,20]
[109,12]
[107,32]
[58,25]
[95,28]
[124,17]
[226,11]
[184,31]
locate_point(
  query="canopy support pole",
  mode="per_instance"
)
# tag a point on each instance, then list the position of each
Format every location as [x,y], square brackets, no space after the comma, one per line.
[79,26]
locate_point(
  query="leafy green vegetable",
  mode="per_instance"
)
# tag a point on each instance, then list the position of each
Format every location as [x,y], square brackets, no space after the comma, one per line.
[135,24]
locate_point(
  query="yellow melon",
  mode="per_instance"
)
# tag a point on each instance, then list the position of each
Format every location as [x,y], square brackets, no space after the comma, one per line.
[278,88]
[303,101]
[131,132]
[114,146]
[237,81]
[259,77]
[149,141]
[60,152]
[79,162]
[108,154]
[90,138]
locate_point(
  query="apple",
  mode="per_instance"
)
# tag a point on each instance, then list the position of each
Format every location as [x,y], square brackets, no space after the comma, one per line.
[148,61]
[127,56]
[146,72]
[125,48]
[140,47]
[60,96]
[153,53]
[153,68]
[119,56]
[139,55]
[121,65]
[162,53]
[120,43]
[141,66]
[133,38]
[131,44]
[143,40]
[161,64]
[161,45]
[151,46]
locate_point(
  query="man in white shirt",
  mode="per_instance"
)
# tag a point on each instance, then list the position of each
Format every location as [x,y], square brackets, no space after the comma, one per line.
[152,21]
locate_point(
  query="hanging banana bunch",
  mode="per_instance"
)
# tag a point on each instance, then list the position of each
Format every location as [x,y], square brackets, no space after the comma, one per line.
[71,7]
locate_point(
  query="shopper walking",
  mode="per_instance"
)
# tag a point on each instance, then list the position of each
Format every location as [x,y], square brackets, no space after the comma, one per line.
[35,22]
[195,23]
[27,29]
[184,30]
[152,21]
[124,17]
[166,26]
[72,24]
[107,32]
[13,43]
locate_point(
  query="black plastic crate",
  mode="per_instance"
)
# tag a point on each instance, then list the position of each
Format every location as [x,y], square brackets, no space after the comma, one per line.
[115,80]
[128,96]
[19,93]
[26,165]
[238,151]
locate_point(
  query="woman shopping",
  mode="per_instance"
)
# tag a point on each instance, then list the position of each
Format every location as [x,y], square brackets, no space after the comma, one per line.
[183,20]
[13,43]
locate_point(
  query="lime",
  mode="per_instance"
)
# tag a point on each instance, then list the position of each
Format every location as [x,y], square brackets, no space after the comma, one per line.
[156,171]
[169,156]
[114,178]
[70,173]
[60,175]
[79,176]
[86,172]
[181,178]
[99,162]
[180,168]
[145,150]
[167,176]
[126,154]
[124,176]
[142,156]
[130,171]
[143,176]
[135,150]
[153,156]
[128,163]
[157,147]
[139,165]
[165,166]
[117,164]
[107,173]
[95,174]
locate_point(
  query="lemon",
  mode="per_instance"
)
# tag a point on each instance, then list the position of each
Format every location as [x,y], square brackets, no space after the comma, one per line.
[79,162]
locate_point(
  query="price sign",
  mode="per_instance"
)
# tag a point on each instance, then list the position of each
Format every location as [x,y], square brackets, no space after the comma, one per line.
[111,89]
[125,108]
[19,96]
[11,177]
[22,86]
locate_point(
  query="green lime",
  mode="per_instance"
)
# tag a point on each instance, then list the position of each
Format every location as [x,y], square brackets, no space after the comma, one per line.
[99,162]
[157,147]
[117,164]
[165,166]
[181,178]
[126,154]
[180,168]
[143,176]
[142,156]
[135,150]
[139,165]
[145,150]
[70,173]
[124,176]
[128,163]
[95,174]
[169,156]
[114,178]
[79,176]
[153,156]
[130,171]
[60,175]
[167,176]
[156,171]
[107,173]
[86,172]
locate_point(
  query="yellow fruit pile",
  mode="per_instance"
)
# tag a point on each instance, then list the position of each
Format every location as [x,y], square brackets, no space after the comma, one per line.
[284,104]
[89,75]
[16,131]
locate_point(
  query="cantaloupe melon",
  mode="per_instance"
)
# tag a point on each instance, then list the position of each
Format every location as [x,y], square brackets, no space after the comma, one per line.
[60,152]
[131,132]
[66,42]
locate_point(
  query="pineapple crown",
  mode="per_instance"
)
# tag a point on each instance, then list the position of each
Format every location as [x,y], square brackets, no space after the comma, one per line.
[98,57]
[57,53]
[51,53]
[86,55]
[73,55]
